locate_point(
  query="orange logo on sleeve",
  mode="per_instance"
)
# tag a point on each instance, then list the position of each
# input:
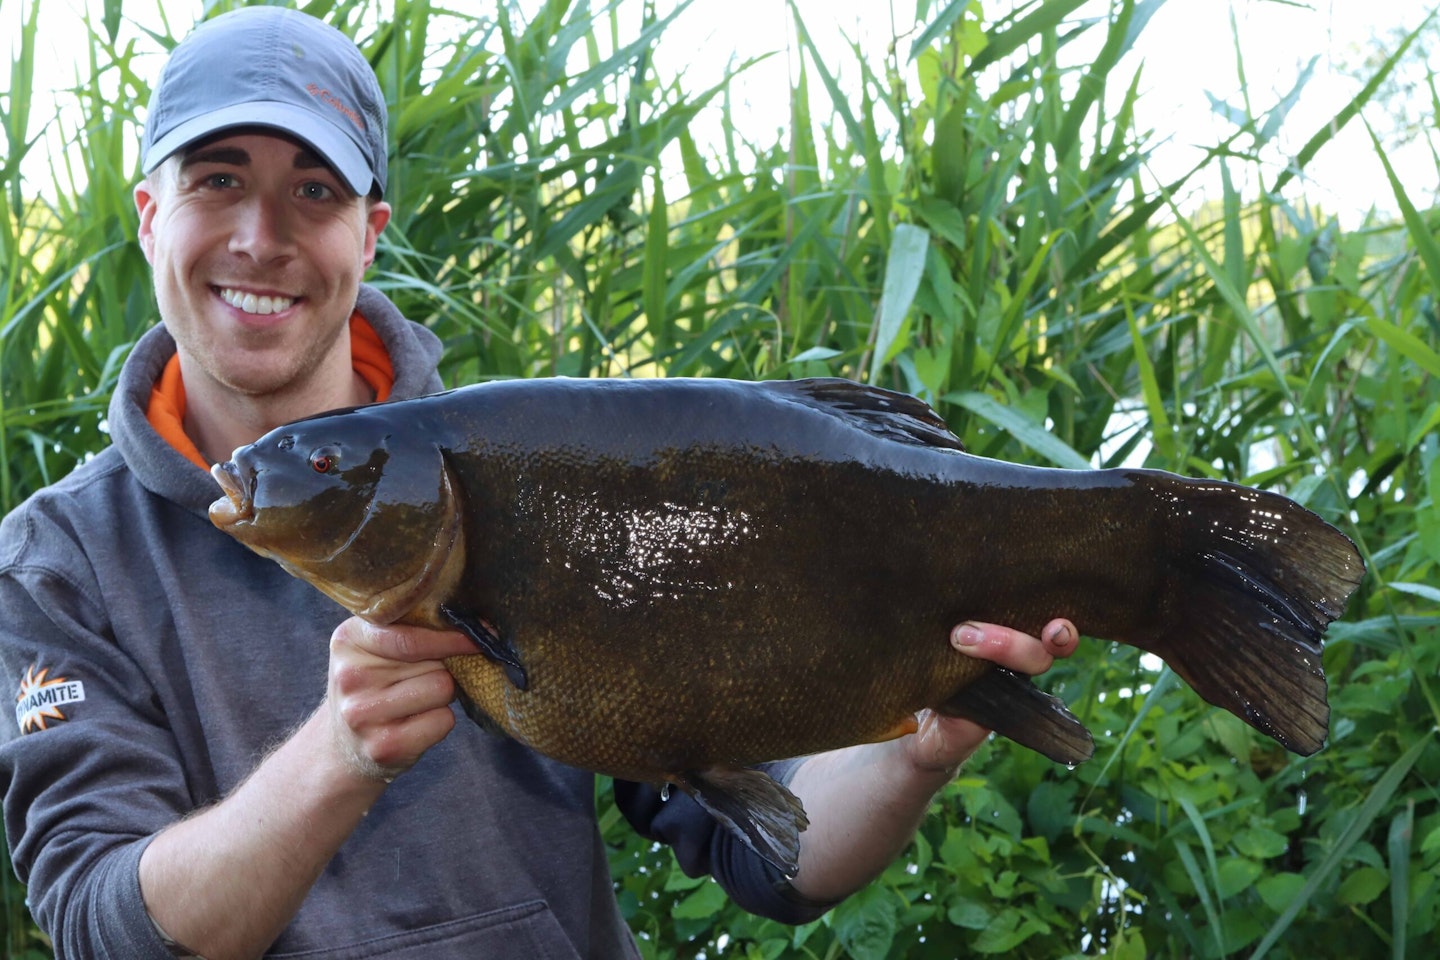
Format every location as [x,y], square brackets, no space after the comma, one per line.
[41,699]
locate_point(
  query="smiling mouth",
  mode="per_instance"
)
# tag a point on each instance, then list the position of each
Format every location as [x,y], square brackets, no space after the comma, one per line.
[257,305]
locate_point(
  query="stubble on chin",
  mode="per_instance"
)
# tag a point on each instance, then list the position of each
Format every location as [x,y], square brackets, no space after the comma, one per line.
[267,365]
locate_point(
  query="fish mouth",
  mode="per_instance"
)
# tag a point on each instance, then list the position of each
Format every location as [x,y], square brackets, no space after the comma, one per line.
[238,504]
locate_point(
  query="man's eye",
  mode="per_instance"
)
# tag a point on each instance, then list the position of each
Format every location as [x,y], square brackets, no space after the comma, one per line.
[314,190]
[220,181]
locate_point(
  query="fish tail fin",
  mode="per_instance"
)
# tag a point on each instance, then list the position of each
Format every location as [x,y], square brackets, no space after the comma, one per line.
[1254,580]
[1011,705]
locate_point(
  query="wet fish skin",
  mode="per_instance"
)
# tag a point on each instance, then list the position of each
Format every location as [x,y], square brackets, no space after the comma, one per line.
[694,576]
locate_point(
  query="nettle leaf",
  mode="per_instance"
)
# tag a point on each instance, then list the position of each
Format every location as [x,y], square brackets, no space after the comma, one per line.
[1050,807]
[1130,946]
[705,902]
[1010,929]
[867,922]
[769,950]
[1431,844]
[957,851]
[1260,843]
[970,914]
[1362,886]
[677,880]
[1279,889]
[1236,874]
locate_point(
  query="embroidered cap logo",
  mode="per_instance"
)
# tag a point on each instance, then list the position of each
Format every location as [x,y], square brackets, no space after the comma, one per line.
[326,97]
[41,699]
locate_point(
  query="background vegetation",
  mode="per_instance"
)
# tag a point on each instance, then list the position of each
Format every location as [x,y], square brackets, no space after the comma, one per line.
[973,224]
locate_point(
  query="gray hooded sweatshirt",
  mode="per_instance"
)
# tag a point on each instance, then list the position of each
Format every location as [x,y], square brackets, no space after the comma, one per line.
[156,661]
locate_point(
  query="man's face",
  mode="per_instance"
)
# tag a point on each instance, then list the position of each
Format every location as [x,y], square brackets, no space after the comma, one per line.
[257,249]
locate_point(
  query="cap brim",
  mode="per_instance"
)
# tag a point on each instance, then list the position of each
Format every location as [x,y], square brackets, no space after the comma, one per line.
[332,144]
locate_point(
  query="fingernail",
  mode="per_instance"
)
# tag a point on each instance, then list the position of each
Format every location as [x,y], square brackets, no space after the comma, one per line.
[967,636]
[1059,635]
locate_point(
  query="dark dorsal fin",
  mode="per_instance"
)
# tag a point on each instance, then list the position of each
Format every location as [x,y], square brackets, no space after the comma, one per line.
[885,413]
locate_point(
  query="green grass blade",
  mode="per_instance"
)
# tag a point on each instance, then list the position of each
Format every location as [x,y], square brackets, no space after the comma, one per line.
[1092,86]
[903,270]
[1197,880]
[942,24]
[1408,344]
[1006,39]
[1192,813]
[1161,431]
[1420,232]
[1030,434]
[837,96]
[1402,835]
[1235,301]
[657,257]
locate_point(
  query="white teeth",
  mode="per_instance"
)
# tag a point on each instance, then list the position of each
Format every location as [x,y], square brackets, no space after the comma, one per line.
[250,303]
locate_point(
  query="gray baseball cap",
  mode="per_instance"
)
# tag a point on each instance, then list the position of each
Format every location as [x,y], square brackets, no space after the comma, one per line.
[277,68]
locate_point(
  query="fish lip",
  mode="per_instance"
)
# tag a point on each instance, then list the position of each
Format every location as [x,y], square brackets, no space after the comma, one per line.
[238,504]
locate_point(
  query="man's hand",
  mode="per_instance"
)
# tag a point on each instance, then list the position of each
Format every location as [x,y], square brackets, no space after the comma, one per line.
[943,743]
[388,697]
[227,880]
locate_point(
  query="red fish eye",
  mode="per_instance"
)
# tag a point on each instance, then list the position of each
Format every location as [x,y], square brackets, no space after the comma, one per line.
[325,459]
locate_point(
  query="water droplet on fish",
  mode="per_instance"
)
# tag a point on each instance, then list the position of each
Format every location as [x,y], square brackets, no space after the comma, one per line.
[1071,766]
[664,791]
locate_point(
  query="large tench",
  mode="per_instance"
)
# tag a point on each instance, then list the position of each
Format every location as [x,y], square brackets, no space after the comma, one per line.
[674,580]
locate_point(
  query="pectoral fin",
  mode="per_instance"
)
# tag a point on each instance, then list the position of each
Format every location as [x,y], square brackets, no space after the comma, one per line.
[490,643]
[1012,706]
[753,806]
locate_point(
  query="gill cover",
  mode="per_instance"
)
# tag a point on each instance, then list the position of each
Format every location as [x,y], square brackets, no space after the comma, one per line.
[365,512]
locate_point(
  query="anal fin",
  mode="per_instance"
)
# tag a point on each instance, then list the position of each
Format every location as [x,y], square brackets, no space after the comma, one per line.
[756,808]
[1008,703]
[490,643]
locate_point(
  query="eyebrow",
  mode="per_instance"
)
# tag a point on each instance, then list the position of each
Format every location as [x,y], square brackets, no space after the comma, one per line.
[305,159]
[233,156]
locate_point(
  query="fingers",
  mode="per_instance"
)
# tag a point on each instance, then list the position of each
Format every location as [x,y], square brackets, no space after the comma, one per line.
[389,694]
[1060,638]
[402,643]
[942,744]
[1015,649]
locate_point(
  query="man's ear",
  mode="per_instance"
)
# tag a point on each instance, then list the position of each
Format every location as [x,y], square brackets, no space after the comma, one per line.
[377,214]
[146,202]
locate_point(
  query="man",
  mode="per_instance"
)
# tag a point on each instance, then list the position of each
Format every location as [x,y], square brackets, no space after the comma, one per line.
[192,772]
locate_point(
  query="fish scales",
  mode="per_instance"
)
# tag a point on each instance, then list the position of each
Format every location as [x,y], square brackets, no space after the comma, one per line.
[702,628]
[672,579]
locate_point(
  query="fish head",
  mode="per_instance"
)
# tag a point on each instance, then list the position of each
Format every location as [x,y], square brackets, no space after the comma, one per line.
[357,503]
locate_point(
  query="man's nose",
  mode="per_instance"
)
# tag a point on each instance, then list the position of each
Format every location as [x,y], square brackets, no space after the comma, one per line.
[263,229]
